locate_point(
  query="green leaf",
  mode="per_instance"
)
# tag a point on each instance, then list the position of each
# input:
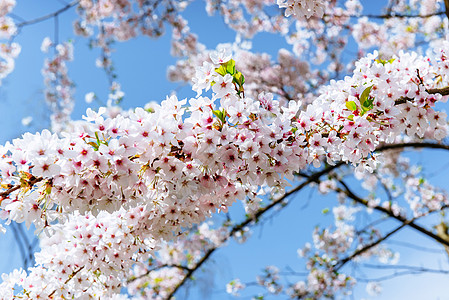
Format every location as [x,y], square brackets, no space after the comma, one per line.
[384,62]
[221,70]
[365,94]
[368,103]
[351,105]
[239,78]
[95,146]
[350,117]
[230,66]
[325,211]
[221,115]
[217,113]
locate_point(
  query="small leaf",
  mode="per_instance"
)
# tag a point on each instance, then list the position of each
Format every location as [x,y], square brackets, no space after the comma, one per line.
[365,94]
[368,103]
[239,79]
[325,211]
[351,118]
[230,67]
[351,105]
[217,113]
[384,62]
[221,115]
[95,146]
[221,70]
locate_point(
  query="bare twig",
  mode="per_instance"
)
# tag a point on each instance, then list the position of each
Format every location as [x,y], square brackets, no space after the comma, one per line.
[399,218]
[49,16]
[404,267]
[415,247]
[347,259]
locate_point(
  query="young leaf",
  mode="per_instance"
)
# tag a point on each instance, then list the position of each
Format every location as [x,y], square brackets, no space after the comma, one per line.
[230,67]
[365,94]
[351,105]
[368,103]
[221,70]
[239,79]
[217,113]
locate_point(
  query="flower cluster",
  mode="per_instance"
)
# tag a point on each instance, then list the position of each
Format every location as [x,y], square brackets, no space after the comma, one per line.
[59,87]
[84,256]
[300,8]
[156,173]
[168,266]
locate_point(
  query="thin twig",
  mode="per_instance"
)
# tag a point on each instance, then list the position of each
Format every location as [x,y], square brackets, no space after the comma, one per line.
[400,218]
[347,259]
[49,16]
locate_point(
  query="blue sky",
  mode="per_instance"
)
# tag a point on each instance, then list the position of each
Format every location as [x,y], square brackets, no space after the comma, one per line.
[275,241]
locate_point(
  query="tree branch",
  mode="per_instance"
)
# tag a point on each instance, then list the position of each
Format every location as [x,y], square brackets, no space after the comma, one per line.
[403,267]
[412,145]
[158,268]
[312,178]
[401,219]
[49,16]
[347,259]
[401,16]
[30,182]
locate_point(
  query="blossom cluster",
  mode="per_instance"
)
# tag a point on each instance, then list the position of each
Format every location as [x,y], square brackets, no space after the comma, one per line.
[300,8]
[59,86]
[401,178]
[86,256]
[248,17]
[163,271]
[288,77]
[179,169]
[158,172]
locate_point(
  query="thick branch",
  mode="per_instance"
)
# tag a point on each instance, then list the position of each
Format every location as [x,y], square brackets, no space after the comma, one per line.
[412,145]
[401,16]
[442,91]
[30,183]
